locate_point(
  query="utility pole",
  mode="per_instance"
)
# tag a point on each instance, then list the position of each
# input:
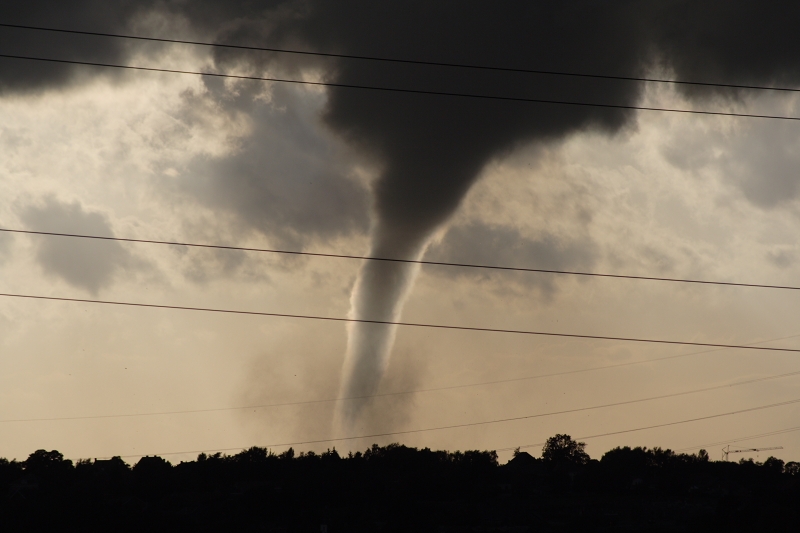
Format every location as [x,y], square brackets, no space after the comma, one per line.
[727,450]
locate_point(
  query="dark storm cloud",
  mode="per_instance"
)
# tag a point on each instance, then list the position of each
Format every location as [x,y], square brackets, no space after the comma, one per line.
[147,17]
[432,148]
[93,15]
[744,41]
[83,263]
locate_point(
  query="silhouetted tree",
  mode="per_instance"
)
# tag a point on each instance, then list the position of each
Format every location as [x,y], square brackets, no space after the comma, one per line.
[47,464]
[563,449]
[330,455]
[287,455]
[774,464]
[254,455]
[256,490]
[9,470]
[202,458]
[627,461]
[792,468]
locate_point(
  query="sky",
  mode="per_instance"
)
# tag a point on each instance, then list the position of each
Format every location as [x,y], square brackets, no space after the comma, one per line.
[185,158]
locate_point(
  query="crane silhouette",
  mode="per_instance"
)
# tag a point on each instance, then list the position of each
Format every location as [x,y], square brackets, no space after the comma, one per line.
[727,450]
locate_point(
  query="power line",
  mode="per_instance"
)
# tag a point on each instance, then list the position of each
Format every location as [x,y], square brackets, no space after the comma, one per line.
[539,376]
[261,406]
[415,391]
[739,439]
[398,323]
[454,426]
[404,91]
[404,61]
[412,261]
[740,411]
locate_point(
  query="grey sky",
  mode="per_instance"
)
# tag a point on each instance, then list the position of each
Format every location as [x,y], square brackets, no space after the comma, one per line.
[486,244]
[87,264]
[286,178]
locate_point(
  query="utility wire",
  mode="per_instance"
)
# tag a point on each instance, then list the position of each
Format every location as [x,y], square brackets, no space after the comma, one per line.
[413,261]
[398,323]
[451,387]
[417,391]
[306,402]
[405,91]
[739,439]
[403,61]
[740,411]
[454,426]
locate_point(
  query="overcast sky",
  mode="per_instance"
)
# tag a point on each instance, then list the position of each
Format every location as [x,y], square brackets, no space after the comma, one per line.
[258,164]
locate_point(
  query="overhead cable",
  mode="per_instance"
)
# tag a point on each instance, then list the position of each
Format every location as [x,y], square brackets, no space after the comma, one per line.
[454,426]
[740,439]
[414,261]
[611,433]
[404,61]
[472,96]
[306,402]
[399,323]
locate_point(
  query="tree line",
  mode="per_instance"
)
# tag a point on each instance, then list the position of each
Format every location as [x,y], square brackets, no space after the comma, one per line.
[400,488]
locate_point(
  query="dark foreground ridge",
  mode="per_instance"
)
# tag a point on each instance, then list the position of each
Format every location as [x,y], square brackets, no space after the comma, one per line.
[396,488]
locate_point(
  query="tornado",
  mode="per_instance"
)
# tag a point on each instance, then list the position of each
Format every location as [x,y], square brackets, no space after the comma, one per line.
[429,150]
[379,294]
